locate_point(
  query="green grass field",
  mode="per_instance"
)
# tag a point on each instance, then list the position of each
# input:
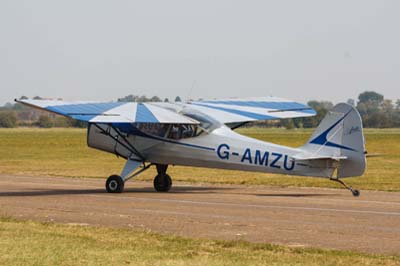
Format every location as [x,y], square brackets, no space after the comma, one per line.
[63,152]
[32,243]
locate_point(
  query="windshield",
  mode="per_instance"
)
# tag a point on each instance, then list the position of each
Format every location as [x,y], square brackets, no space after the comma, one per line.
[206,122]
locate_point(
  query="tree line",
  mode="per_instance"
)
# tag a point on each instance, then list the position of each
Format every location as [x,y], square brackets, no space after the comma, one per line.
[375,110]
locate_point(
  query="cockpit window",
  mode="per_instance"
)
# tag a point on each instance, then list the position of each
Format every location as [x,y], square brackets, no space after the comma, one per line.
[184,131]
[153,128]
[172,131]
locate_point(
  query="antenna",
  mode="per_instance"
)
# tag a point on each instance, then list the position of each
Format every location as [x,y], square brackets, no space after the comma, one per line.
[191,89]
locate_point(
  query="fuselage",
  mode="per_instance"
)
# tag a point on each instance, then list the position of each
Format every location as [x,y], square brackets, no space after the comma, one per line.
[225,149]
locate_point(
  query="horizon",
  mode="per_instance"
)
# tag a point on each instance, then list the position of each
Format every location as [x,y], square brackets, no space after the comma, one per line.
[172,99]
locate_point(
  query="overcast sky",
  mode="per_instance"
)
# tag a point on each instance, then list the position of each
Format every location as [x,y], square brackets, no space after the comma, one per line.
[102,50]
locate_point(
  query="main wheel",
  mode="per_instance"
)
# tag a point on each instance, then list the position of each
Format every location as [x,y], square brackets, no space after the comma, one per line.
[115,184]
[162,183]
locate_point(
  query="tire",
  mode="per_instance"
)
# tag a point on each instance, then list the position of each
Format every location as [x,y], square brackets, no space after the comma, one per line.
[115,184]
[162,183]
[356,193]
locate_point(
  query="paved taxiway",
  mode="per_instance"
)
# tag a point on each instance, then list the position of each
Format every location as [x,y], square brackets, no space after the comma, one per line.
[304,217]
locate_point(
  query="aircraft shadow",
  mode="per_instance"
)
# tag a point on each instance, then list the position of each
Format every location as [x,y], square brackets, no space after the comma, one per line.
[176,190]
[55,192]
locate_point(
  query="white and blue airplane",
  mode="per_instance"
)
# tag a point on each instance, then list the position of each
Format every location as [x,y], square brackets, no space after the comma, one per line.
[201,134]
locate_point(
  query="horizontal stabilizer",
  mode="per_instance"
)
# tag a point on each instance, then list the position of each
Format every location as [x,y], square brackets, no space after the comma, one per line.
[303,157]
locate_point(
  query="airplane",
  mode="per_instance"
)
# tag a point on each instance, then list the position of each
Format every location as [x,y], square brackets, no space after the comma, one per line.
[201,134]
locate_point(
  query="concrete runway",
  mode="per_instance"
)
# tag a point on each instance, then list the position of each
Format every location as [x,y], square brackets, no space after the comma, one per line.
[301,217]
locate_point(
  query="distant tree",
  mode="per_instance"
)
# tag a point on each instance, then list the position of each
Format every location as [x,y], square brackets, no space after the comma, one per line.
[352,102]
[377,120]
[128,98]
[370,107]
[287,123]
[23,97]
[61,121]
[143,99]
[396,118]
[45,121]
[38,98]
[178,99]
[387,106]
[9,106]
[387,110]
[139,99]
[77,123]
[370,97]
[300,123]
[20,107]
[398,104]
[166,100]
[321,107]
[155,99]
[8,119]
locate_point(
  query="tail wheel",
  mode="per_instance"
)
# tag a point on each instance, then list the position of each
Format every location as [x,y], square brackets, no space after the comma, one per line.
[115,184]
[356,193]
[162,183]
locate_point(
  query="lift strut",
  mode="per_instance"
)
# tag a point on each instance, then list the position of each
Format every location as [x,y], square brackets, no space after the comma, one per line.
[126,144]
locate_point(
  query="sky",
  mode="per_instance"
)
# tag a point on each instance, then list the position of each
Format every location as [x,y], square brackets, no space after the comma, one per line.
[101,50]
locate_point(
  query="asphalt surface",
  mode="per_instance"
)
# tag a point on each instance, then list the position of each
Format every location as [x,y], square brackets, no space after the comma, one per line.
[300,217]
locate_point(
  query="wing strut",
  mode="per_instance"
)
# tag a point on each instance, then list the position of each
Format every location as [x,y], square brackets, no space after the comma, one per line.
[127,145]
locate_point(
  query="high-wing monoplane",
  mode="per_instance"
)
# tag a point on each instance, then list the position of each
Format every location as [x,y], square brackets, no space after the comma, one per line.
[201,134]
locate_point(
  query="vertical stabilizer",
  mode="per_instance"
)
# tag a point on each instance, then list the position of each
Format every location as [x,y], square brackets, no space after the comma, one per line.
[340,135]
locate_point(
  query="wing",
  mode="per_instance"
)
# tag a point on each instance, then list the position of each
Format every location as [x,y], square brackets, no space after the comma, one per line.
[251,109]
[111,112]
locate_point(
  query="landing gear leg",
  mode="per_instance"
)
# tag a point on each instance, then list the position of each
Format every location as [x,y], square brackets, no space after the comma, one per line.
[355,192]
[162,182]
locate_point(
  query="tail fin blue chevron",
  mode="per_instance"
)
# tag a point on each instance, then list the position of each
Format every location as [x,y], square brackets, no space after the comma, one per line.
[340,135]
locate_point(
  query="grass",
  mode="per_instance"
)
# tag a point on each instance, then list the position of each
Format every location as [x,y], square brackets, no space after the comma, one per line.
[33,243]
[63,152]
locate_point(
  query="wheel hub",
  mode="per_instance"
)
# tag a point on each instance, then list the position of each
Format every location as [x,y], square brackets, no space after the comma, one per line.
[113,185]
